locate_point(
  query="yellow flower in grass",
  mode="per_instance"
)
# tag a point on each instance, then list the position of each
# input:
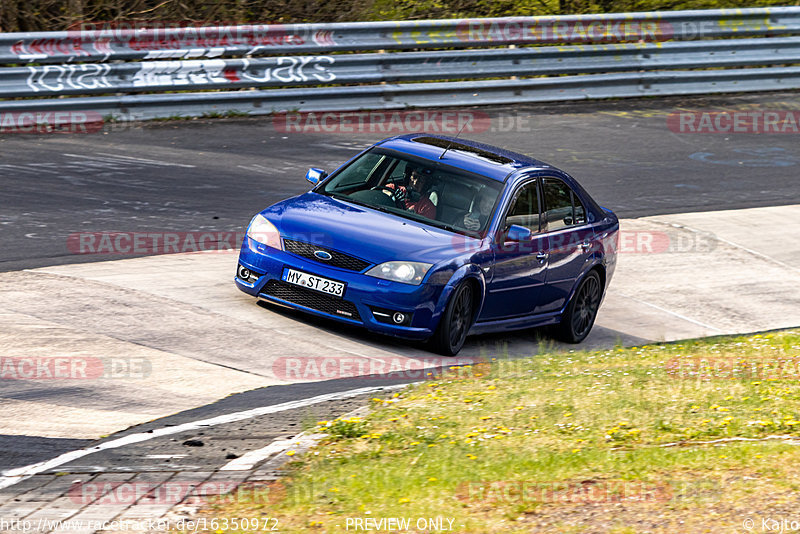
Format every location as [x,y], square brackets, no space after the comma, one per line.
[333,490]
[492,387]
[415,443]
[432,479]
[472,456]
[404,500]
[290,453]
[484,417]
[519,407]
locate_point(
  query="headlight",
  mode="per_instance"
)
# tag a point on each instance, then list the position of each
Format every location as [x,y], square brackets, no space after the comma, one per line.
[408,272]
[264,232]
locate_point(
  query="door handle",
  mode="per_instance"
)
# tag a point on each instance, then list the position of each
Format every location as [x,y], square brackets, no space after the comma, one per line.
[541,256]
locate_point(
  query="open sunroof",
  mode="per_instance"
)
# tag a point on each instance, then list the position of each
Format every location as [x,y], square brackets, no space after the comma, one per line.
[453,145]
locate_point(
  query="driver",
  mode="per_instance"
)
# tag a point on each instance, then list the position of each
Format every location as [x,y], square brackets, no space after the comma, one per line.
[415,195]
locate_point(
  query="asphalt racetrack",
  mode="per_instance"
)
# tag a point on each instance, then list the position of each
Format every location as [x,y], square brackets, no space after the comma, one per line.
[215,174]
[730,199]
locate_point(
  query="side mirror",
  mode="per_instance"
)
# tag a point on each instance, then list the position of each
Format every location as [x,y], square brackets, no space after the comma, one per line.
[518,233]
[315,175]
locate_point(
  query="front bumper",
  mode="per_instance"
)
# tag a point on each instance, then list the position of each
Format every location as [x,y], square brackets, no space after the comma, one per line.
[366,300]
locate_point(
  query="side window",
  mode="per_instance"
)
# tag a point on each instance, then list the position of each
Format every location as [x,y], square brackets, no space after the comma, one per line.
[525,208]
[562,207]
[579,213]
[398,173]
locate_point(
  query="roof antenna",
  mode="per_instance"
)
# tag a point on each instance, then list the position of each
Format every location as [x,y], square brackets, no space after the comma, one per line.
[451,142]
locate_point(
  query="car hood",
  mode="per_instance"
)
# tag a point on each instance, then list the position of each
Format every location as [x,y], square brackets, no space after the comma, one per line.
[363,232]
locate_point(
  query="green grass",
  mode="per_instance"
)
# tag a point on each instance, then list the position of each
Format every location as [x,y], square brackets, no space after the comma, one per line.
[560,441]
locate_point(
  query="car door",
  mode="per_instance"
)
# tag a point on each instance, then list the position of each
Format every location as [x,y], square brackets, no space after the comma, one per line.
[518,274]
[569,239]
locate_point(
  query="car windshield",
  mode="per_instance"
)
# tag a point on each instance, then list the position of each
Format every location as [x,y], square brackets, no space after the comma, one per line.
[417,189]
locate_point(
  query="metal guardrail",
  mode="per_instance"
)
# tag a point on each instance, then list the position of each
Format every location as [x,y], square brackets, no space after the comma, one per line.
[442,95]
[227,41]
[406,66]
[604,65]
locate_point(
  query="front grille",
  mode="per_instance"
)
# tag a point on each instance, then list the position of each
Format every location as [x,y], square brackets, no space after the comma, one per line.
[311,299]
[338,259]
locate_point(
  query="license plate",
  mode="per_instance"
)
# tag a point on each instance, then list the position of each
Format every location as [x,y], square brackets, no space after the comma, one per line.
[317,283]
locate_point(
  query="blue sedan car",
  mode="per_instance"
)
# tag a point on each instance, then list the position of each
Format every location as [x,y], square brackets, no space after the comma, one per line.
[428,237]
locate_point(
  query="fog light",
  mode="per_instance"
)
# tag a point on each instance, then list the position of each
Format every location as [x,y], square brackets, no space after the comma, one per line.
[245,274]
[383,315]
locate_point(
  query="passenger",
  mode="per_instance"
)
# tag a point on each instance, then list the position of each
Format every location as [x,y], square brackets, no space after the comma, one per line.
[482,210]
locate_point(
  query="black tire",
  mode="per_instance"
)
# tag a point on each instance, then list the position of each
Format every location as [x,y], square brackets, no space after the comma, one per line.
[581,311]
[455,322]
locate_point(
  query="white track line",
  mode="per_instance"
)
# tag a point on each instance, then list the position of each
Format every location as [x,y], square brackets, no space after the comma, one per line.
[13,476]
[678,315]
[247,461]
